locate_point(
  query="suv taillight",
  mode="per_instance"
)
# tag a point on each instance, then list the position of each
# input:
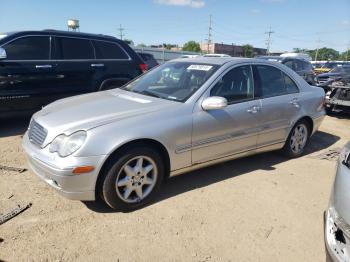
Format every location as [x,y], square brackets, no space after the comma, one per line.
[143,67]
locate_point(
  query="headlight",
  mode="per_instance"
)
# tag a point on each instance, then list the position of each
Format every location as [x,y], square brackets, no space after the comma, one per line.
[345,156]
[67,145]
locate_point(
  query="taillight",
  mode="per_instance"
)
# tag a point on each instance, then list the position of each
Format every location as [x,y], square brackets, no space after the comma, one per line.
[143,67]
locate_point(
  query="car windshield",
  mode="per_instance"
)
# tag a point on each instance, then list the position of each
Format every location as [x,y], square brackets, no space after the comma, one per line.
[2,36]
[173,81]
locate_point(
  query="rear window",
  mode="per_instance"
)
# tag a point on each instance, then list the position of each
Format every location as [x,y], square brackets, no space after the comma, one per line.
[74,48]
[109,50]
[29,48]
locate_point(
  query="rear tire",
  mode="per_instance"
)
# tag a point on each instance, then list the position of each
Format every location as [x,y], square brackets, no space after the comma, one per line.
[297,139]
[132,178]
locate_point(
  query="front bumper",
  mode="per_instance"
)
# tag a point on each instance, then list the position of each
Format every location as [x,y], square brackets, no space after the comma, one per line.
[337,217]
[337,239]
[57,171]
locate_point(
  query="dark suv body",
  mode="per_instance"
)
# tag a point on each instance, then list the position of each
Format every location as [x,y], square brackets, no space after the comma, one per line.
[38,67]
[301,66]
[149,59]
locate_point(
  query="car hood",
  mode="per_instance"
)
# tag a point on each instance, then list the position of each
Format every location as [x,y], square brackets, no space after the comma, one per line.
[89,111]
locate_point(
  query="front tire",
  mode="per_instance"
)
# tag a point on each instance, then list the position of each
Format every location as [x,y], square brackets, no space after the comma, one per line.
[132,178]
[297,139]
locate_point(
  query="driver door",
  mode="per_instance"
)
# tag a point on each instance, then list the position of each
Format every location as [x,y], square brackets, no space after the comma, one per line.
[233,129]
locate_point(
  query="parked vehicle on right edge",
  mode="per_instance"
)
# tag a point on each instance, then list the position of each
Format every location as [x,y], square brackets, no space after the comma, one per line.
[336,74]
[301,66]
[338,97]
[337,216]
[39,67]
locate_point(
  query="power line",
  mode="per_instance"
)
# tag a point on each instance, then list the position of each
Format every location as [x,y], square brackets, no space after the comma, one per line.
[121,32]
[209,33]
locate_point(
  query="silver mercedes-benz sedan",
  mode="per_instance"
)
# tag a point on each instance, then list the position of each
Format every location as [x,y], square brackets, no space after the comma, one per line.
[120,144]
[337,217]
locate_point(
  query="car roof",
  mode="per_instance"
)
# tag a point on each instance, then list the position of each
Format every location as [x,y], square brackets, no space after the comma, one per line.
[60,33]
[215,60]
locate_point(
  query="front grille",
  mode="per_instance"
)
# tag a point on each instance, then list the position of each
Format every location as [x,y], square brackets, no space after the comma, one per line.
[37,134]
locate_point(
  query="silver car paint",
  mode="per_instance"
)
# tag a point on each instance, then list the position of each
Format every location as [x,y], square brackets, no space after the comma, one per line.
[116,117]
[340,202]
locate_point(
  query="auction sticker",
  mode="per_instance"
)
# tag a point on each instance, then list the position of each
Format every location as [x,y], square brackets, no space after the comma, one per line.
[200,67]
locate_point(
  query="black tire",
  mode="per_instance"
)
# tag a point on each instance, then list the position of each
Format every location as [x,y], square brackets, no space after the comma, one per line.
[329,109]
[109,178]
[287,148]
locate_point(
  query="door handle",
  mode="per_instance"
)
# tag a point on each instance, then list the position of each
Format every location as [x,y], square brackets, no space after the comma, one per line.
[253,110]
[43,66]
[97,65]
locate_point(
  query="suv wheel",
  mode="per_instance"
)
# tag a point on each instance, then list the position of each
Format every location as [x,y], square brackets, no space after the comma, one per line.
[133,178]
[297,139]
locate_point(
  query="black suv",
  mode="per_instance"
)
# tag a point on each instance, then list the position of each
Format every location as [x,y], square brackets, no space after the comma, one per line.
[38,67]
[301,66]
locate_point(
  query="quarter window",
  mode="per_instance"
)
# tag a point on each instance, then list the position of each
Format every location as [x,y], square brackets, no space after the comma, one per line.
[74,48]
[29,48]
[291,87]
[236,85]
[107,50]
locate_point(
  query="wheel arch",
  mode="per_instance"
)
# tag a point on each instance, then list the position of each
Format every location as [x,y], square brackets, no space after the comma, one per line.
[310,122]
[149,142]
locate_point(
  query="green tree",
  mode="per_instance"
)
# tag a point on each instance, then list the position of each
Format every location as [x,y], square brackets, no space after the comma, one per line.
[345,55]
[167,46]
[191,46]
[141,45]
[325,53]
[248,50]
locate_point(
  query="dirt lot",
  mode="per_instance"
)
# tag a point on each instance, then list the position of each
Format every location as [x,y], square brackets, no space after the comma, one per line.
[261,208]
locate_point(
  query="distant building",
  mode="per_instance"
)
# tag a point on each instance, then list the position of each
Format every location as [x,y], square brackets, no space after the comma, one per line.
[232,50]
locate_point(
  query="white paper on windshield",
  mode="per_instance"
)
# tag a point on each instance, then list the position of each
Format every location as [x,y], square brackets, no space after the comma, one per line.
[200,67]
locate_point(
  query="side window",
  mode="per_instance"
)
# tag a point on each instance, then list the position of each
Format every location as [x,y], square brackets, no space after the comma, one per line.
[74,48]
[291,87]
[29,48]
[271,81]
[107,50]
[299,65]
[236,85]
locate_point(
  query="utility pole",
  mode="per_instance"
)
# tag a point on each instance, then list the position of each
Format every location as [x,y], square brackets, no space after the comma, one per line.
[121,32]
[209,34]
[318,43]
[268,41]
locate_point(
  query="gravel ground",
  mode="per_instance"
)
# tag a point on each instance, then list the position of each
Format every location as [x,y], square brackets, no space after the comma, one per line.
[260,208]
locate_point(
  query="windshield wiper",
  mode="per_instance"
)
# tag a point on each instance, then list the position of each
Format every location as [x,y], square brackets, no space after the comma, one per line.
[148,93]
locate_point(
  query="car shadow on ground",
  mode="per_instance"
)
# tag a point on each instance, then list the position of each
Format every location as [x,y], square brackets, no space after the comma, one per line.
[339,115]
[14,126]
[227,170]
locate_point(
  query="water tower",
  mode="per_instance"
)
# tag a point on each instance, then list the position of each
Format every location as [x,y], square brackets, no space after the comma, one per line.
[73,24]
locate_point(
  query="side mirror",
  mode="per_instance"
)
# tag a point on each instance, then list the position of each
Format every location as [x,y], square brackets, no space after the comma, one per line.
[214,102]
[2,53]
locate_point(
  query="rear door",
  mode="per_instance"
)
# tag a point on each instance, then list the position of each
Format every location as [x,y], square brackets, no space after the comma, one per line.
[279,104]
[27,74]
[74,60]
[112,64]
